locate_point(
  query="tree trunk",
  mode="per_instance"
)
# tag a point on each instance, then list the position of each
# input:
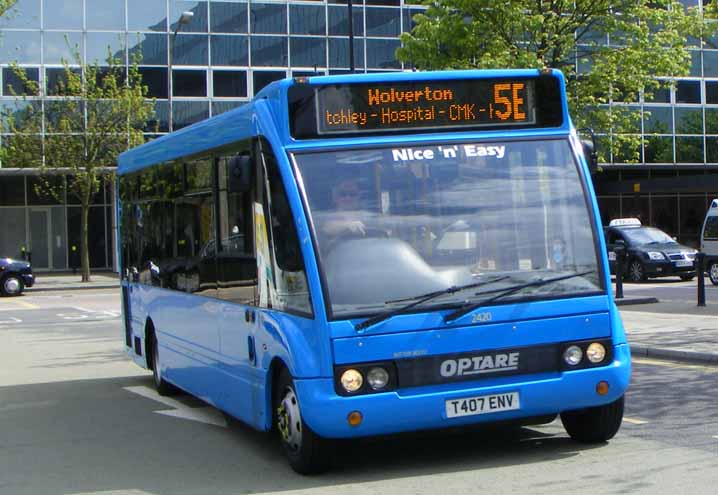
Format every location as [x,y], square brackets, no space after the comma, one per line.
[84,247]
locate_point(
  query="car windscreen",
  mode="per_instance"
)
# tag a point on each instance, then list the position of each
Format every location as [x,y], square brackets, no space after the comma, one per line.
[647,235]
[394,222]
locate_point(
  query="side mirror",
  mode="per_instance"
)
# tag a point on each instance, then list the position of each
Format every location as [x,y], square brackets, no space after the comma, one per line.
[589,151]
[239,171]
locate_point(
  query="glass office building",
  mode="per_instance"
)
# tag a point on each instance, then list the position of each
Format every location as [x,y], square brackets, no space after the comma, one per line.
[230,49]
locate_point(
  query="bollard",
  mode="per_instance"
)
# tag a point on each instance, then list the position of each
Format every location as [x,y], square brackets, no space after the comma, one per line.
[699,264]
[620,259]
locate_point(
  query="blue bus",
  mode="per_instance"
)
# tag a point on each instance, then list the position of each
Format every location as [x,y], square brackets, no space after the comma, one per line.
[358,255]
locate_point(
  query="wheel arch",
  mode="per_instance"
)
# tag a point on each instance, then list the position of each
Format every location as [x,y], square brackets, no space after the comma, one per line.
[276,366]
[150,339]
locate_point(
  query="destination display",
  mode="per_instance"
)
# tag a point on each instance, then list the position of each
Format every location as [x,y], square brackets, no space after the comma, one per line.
[341,109]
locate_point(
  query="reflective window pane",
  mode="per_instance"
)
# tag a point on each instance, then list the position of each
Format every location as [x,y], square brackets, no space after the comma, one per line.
[149,49]
[408,20]
[657,120]
[155,78]
[710,63]
[383,22]
[308,52]
[339,52]
[189,83]
[228,17]
[62,46]
[689,149]
[261,78]
[13,85]
[658,149]
[339,21]
[689,120]
[711,149]
[56,80]
[662,95]
[190,49]
[230,50]
[307,19]
[159,122]
[268,18]
[688,92]
[695,69]
[12,192]
[269,51]
[105,14]
[23,14]
[188,112]
[712,92]
[711,120]
[663,213]
[229,83]
[219,107]
[100,46]
[380,54]
[22,47]
[62,15]
[197,23]
[147,15]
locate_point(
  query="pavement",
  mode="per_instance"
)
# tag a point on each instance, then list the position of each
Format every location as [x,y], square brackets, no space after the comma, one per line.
[73,281]
[675,330]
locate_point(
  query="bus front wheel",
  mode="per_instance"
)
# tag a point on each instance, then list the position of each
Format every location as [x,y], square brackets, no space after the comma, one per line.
[162,386]
[306,451]
[595,424]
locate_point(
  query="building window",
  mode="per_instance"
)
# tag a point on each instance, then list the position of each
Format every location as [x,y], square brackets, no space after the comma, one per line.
[688,92]
[269,51]
[230,50]
[228,17]
[308,52]
[13,85]
[229,83]
[261,78]
[268,18]
[155,78]
[189,83]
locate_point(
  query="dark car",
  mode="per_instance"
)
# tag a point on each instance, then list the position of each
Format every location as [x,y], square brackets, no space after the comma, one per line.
[15,275]
[650,252]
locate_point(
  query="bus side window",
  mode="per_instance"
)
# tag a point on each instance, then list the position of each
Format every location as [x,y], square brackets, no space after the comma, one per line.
[236,261]
[289,290]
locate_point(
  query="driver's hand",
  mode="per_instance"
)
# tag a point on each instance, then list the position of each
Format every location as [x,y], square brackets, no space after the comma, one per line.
[356,227]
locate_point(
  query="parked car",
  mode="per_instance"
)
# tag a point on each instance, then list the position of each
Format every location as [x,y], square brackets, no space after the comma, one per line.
[650,252]
[709,241]
[15,275]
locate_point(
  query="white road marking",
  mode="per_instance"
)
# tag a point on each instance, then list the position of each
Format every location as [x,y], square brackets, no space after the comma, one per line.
[12,321]
[208,415]
[27,405]
[635,421]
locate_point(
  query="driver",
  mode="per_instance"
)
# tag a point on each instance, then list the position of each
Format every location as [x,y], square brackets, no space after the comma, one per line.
[346,210]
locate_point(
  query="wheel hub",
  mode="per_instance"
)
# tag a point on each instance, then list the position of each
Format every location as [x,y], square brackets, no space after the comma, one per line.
[714,271]
[289,421]
[12,285]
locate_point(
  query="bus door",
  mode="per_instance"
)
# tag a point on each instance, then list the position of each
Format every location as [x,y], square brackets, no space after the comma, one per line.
[237,278]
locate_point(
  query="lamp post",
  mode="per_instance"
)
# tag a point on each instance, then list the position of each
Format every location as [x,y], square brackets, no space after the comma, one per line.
[185,18]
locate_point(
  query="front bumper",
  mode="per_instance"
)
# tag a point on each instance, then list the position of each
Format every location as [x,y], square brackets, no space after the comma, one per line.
[28,279]
[667,268]
[423,408]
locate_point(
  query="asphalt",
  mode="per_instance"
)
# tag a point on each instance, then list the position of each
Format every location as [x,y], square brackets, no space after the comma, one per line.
[674,330]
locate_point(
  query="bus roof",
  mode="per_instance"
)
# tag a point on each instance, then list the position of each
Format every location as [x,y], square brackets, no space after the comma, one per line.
[288,107]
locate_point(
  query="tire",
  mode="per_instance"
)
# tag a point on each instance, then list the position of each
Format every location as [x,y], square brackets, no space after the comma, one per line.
[595,424]
[306,451]
[687,278]
[713,272]
[161,385]
[636,271]
[11,285]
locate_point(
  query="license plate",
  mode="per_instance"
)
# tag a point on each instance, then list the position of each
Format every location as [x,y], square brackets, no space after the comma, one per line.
[684,263]
[482,404]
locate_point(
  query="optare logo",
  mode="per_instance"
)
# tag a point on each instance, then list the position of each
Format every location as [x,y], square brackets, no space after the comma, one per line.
[482,317]
[479,364]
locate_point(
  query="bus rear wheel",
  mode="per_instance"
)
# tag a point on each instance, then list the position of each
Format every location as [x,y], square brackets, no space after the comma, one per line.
[595,424]
[306,451]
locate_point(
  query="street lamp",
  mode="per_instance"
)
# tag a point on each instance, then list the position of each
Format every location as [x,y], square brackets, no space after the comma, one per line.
[185,18]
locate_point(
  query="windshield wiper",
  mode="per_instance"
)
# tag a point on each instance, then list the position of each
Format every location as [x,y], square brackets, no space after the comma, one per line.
[420,299]
[468,308]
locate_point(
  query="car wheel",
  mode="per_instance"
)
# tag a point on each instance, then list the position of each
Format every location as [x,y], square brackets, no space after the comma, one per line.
[11,285]
[713,273]
[162,386]
[595,424]
[636,272]
[306,451]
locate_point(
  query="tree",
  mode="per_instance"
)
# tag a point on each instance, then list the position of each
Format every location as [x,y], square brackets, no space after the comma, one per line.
[99,111]
[5,6]
[648,40]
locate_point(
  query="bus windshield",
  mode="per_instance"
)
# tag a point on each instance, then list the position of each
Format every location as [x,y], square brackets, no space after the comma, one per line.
[393,223]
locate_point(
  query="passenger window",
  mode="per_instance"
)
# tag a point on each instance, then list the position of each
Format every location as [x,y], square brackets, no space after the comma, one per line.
[236,261]
[711,230]
[288,290]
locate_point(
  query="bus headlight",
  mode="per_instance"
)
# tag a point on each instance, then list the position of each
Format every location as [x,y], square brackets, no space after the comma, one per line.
[377,378]
[573,355]
[352,380]
[596,352]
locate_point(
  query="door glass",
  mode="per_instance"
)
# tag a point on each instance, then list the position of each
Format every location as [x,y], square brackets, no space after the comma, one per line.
[12,229]
[39,239]
[59,240]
